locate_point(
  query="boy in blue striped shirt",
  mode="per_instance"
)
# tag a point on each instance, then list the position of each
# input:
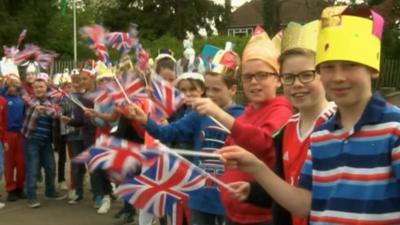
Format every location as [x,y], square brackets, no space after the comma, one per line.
[352,171]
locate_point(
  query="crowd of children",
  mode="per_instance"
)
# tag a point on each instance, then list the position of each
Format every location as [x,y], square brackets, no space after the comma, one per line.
[335,161]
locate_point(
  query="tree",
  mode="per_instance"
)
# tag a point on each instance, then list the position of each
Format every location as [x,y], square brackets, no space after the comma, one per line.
[160,17]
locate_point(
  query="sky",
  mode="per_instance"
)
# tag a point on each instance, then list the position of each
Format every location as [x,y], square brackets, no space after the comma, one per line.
[235,3]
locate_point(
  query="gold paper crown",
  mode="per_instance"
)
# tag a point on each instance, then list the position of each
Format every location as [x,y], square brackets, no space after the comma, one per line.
[301,36]
[350,35]
[102,71]
[261,47]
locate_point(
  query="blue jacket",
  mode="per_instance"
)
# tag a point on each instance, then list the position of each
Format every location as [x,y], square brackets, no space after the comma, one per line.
[206,136]
[15,112]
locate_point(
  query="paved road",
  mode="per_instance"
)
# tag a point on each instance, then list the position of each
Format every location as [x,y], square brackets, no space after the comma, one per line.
[54,212]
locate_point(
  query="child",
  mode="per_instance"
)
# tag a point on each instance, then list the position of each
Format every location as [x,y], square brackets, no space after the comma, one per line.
[37,130]
[14,156]
[64,82]
[264,115]
[351,174]
[303,87]
[165,67]
[206,207]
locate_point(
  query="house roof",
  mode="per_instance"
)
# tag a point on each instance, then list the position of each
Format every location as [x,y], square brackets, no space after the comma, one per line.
[249,14]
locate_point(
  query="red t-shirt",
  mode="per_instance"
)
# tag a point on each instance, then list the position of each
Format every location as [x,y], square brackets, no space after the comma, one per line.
[295,147]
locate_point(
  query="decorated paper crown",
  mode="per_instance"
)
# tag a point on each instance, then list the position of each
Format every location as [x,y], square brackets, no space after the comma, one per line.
[225,60]
[125,63]
[42,77]
[9,69]
[32,67]
[350,35]
[190,75]
[296,35]
[74,72]
[261,47]
[164,56]
[88,68]
[102,71]
[62,78]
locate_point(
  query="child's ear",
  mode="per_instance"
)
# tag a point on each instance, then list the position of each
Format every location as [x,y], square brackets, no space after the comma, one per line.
[374,75]
[233,89]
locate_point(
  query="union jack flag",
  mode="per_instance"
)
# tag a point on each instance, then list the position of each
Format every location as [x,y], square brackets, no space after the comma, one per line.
[121,158]
[121,41]
[162,187]
[142,57]
[134,90]
[167,99]
[96,41]
[30,51]
[10,52]
[45,59]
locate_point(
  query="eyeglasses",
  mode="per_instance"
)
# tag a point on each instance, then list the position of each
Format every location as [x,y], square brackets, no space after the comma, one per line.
[259,76]
[304,77]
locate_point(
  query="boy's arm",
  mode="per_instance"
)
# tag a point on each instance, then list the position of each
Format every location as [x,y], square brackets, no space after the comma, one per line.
[294,199]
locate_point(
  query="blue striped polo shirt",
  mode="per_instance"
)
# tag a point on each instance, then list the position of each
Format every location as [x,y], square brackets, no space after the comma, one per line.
[354,176]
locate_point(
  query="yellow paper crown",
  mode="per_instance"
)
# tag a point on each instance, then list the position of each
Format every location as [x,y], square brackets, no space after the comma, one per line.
[350,35]
[261,47]
[102,71]
[301,36]
[224,61]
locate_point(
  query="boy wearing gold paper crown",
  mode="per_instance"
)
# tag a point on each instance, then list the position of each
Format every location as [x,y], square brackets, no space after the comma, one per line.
[264,115]
[351,174]
[303,87]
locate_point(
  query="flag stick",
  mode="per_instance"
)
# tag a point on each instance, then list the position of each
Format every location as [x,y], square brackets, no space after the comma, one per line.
[196,153]
[122,89]
[220,124]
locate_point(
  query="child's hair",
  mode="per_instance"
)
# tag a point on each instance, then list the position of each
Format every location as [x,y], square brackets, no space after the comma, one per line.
[165,63]
[228,77]
[295,52]
[196,83]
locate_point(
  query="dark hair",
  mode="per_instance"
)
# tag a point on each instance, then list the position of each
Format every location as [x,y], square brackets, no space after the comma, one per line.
[165,63]
[295,52]
[195,83]
[228,77]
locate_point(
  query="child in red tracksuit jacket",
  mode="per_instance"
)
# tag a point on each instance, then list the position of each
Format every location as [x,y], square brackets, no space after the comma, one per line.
[14,162]
[263,116]
[3,127]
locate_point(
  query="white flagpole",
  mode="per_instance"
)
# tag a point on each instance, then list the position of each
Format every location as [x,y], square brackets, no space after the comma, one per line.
[75,38]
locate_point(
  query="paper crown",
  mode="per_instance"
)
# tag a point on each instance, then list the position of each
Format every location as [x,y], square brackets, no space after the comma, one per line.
[305,36]
[88,68]
[225,60]
[350,35]
[190,75]
[9,69]
[102,71]
[261,47]
[32,67]
[62,78]
[163,56]
[42,77]
[125,63]
[74,72]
